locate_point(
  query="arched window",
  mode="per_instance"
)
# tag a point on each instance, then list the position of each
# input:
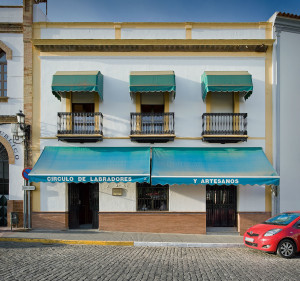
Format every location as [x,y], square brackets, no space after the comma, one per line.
[3,74]
[4,185]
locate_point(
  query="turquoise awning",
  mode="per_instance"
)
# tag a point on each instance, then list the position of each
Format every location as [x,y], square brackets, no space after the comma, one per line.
[152,82]
[77,81]
[213,166]
[92,164]
[227,81]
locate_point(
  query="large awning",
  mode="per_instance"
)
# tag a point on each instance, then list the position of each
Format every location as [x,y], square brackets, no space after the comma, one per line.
[92,164]
[77,81]
[152,82]
[227,82]
[213,166]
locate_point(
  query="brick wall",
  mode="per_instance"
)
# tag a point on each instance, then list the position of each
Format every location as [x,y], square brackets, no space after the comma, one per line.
[246,220]
[50,220]
[156,222]
[15,206]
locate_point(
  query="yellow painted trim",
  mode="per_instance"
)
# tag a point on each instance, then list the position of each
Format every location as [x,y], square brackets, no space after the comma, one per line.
[117,31]
[116,138]
[138,102]
[36,32]
[208,103]
[44,25]
[69,242]
[268,198]
[188,31]
[68,102]
[36,120]
[48,138]
[256,138]
[225,136]
[269,30]
[153,135]
[97,109]
[236,103]
[166,102]
[150,54]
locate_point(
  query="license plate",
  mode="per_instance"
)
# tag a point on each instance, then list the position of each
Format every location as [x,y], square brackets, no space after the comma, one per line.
[249,239]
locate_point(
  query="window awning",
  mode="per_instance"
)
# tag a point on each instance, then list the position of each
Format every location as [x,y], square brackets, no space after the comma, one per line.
[77,81]
[213,166]
[227,81]
[92,164]
[152,82]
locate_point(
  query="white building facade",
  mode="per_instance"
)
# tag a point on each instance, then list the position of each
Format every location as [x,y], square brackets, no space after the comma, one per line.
[168,91]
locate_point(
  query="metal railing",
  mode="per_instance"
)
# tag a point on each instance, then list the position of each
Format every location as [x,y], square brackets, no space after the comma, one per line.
[152,123]
[224,124]
[80,123]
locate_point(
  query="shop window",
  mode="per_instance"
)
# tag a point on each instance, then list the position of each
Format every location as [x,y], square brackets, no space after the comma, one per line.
[152,198]
[3,74]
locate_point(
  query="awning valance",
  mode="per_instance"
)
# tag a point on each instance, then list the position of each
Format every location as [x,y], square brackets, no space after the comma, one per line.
[92,164]
[213,166]
[227,81]
[77,81]
[152,82]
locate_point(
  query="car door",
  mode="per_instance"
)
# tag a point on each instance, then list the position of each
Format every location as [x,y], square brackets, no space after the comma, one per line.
[297,232]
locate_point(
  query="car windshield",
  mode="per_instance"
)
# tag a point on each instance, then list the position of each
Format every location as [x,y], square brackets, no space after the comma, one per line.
[282,219]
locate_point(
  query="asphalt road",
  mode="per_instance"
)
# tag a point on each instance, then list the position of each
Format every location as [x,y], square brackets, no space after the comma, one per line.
[34,261]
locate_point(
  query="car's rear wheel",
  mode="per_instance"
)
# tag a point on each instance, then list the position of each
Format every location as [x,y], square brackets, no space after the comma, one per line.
[286,249]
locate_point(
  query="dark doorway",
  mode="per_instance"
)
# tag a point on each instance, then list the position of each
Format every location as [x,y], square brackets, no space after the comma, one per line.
[221,202]
[83,205]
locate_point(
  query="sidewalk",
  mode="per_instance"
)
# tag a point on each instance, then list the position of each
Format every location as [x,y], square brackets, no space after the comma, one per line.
[96,237]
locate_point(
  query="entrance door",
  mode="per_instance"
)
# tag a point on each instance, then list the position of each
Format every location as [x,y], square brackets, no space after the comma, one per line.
[83,205]
[221,206]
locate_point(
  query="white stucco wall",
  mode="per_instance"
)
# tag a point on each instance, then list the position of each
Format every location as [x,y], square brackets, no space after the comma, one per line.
[200,33]
[124,203]
[14,74]
[251,198]
[188,105]
[78,33]
[54,197]
[187,198]
[152,33]
[289,121]
[11,15]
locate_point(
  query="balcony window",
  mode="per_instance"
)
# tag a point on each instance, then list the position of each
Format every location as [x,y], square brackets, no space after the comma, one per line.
[80,125]
[3,75]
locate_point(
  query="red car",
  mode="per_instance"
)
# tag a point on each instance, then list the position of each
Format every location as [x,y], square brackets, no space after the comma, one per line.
[279,234]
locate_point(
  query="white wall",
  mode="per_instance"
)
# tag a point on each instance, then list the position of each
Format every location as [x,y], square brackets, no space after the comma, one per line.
[289,121]
[14,74]
[11,15]
[124,203]
[200,33]
[187,198]
[188,105]
[54,197]
[251,198]
[152,33]
[78,33]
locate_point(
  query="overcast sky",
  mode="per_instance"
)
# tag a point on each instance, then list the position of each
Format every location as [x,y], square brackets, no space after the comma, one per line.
[164,10]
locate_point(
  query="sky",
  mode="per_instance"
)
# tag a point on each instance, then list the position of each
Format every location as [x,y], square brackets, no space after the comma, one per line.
[164,10]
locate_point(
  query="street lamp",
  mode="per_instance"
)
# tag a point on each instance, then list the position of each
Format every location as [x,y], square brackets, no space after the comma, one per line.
[20,130]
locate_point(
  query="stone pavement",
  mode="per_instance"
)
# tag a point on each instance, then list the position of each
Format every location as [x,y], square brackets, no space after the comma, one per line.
[41,262]
[83,236]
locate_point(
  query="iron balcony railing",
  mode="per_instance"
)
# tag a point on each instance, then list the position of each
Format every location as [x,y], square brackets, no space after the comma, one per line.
[80,123]
[224,124]
[152,123]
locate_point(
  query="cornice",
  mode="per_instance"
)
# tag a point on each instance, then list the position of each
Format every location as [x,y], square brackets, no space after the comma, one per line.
[287,24]
[11,27]
[150,45]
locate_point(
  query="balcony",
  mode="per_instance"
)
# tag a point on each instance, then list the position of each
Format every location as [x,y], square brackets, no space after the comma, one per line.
[80,126]
[224,127]
[152,127]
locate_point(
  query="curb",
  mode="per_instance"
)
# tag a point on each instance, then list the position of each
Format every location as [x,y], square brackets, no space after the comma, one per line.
[124,243]
[69,242]
[188,245]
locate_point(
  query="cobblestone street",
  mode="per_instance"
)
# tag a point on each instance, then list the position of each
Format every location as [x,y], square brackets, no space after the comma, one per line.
[34,261]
